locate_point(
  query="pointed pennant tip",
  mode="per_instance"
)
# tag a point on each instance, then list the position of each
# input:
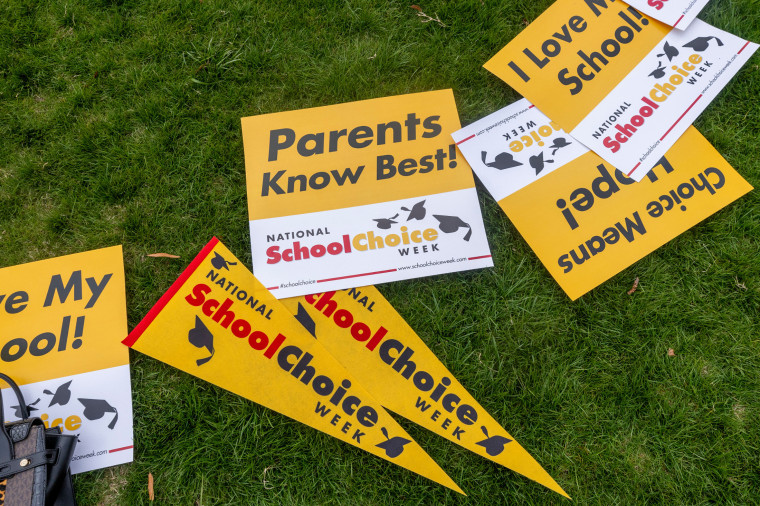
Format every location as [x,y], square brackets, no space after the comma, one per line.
[449,483]
[520,461]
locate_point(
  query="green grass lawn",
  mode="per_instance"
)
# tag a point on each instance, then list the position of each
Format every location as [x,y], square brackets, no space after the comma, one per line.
[120,124]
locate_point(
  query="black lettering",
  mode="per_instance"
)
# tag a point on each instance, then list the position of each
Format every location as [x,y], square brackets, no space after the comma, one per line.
[570,81]
[432,128]
[353,177]
[274,141]
[268,183]
[56,286]
[630,226]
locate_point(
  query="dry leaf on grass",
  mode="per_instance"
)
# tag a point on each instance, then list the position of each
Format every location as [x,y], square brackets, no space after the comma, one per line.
[634,287]
[162,255]
[267,485]
[425,17]
[671,352]
[151,496]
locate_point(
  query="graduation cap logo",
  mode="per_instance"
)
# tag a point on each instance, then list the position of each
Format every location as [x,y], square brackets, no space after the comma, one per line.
[669,51]
[451,224]
[201,337]
[61,396]
[501,161]
[385,223]
[659,71]
[394,446]
[558,143]
[537,162]
[29,408]
[417,212]
[701,43]
[94,409]
[494,445]
[305,319]
[220,263]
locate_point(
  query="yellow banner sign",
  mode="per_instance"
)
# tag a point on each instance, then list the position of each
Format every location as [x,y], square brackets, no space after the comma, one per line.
[352,154]
[217,322]
[360,193]
[63,316]
[584,218]
[368,336]
[586,221]
[625,85]
[61,325]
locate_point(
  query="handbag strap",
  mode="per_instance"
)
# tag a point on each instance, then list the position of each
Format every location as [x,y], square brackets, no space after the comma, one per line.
[6,445]
[15,466]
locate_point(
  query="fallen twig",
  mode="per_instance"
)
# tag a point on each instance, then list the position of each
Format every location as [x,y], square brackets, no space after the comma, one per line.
[425,17]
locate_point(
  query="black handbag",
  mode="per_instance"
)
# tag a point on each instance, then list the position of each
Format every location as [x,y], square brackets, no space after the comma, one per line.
[34,461]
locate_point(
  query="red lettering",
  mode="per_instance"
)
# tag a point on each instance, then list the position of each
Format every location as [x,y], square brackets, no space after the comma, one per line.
[199,294]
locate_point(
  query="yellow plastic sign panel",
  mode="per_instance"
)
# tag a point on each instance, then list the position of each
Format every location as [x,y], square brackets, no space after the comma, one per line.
[625,85]
[586,221]
[217,322]
[62,322]
[367,335]
[63,316]
[352,154]
[360,193]
[584,218]
[557,62]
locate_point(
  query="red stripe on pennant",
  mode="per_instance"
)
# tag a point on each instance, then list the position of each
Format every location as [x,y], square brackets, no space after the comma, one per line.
[679,20]
[133,336]
[742,49]
[478,258]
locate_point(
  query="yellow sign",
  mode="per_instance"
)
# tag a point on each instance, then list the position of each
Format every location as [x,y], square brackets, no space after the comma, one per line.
[360,193]
[584,218]
[625,85]
[586,221]
[352,154]
[61,325]
[217,322]
[63,316]
[363,331]
[574,54]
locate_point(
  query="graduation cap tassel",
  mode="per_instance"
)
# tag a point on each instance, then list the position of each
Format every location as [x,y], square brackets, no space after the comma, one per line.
[469,233]
[202,361]
[115,418]
[94,409]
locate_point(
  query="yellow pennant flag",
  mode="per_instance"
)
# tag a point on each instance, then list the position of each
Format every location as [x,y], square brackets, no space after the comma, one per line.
[217,322]
[368,336]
